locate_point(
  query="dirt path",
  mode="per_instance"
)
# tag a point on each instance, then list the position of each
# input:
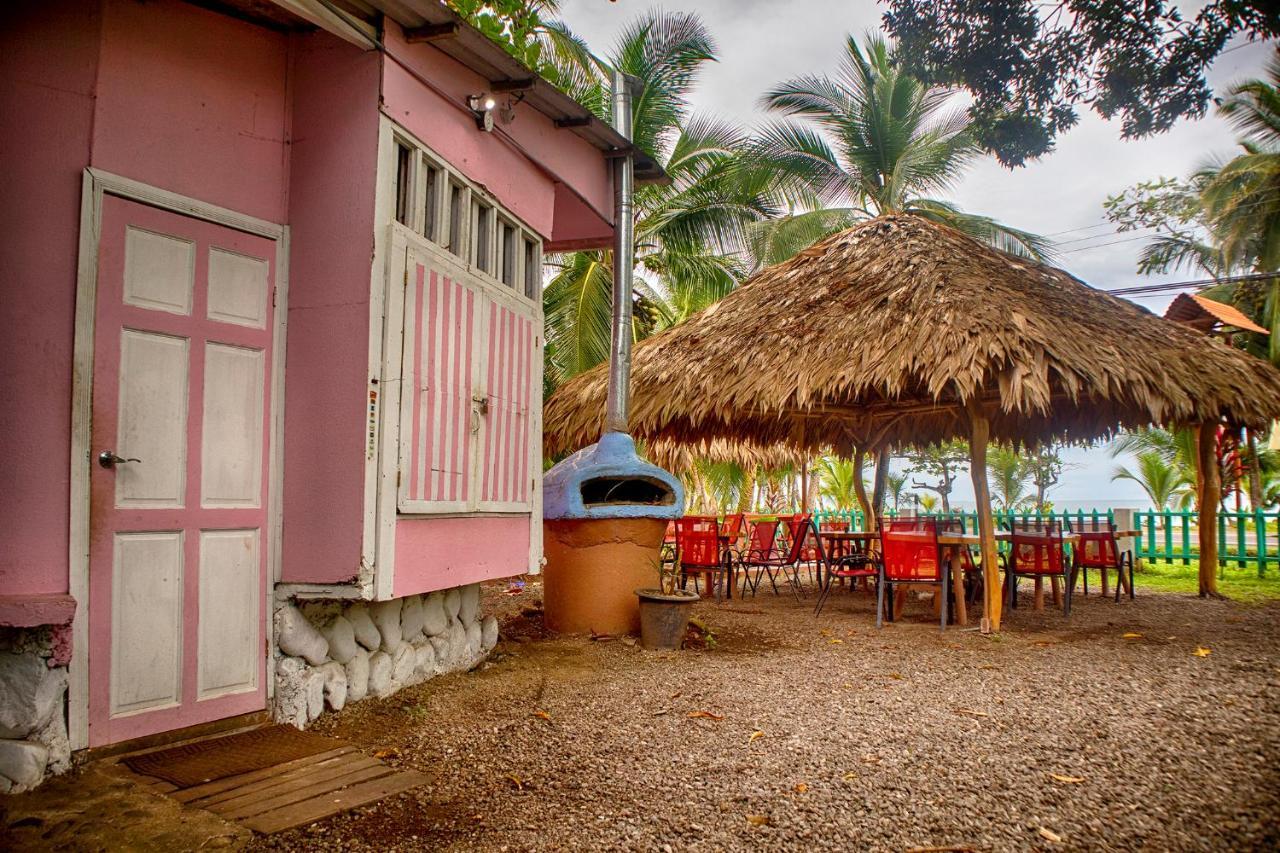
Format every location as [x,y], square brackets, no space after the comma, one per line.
[792,732]
[886,740]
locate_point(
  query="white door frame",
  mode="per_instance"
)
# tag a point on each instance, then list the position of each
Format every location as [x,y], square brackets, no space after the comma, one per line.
[95,184]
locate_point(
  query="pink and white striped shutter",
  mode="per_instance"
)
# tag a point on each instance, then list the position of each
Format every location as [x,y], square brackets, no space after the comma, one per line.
[440,419]
[506,452]
[466,442]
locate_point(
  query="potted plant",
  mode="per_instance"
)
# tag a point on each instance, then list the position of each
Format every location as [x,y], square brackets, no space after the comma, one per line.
[665,610]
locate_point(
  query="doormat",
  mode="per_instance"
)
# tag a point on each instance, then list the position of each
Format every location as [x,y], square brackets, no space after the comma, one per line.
[204,761]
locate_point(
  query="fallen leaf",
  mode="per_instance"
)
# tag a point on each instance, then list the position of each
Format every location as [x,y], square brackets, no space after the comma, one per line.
[542,715]
[800,788]
[1131,635]
[601,638]
[1050,835]
[896,676]
[850,776]
[972,712]
[988,666]
[675,695]
[1070,780]
[759,819]
[953,848]
[660,713]
[517,781]
[756,735]
[848,686]
[387,753]
[870,759]
[1202,652]
[835,640]
[705,715]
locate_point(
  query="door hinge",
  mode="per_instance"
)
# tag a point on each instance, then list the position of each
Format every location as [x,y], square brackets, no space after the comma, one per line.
[397,479]
[273,296]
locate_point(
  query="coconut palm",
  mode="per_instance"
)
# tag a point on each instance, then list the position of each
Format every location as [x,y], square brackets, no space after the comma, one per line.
[688,232]
[895,485]
[873,140]
[1010,477]
[837,476]
[1162,481]
[1241,197]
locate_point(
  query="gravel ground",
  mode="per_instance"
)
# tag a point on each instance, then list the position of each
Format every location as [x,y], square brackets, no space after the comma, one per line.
[828,734]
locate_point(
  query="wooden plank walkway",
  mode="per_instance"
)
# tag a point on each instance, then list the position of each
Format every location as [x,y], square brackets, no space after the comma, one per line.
[295,793]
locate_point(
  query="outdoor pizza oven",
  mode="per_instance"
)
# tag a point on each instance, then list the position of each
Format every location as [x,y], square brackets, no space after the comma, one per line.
[604,514]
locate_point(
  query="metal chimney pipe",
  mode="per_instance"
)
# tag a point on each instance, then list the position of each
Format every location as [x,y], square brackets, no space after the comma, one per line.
[616,412]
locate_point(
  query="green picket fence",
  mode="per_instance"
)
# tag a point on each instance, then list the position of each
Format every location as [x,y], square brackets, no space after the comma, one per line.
[1249,538]
[1244,538]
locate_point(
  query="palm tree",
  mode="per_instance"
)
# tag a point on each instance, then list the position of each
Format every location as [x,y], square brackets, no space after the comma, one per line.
[1161,481]
[1241,198]
[689,232]
[896,484]
[1010,477]
[838,488]
[875,140]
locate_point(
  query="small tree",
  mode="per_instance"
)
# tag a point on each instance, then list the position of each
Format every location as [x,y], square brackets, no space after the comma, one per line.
[1045,467]
[942,463]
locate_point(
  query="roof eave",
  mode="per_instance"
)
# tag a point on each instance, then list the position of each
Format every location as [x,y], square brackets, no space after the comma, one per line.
[431,21]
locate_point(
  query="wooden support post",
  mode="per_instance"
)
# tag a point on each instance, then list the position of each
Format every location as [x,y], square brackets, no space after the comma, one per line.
[860,490]
[1210,488]
[980,434]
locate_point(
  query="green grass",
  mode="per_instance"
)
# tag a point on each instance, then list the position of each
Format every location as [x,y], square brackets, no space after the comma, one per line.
[1239,584]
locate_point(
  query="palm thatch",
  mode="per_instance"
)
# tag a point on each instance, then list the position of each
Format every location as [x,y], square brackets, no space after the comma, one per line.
[885,332]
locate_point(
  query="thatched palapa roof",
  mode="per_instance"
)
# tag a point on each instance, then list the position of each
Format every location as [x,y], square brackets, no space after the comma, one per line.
[881,333]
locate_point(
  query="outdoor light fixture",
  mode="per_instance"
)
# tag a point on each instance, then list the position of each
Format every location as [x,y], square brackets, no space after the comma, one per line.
[482,106]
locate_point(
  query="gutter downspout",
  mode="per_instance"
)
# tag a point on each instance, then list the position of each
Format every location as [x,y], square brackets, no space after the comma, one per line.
[617,408]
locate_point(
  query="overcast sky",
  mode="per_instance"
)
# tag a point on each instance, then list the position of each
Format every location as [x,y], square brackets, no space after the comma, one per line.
[762,42]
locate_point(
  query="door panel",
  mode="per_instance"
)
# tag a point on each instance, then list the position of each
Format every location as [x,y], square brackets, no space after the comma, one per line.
[146,622]
[178,525]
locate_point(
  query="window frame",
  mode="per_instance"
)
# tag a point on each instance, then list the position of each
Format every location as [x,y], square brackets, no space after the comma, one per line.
[442,226]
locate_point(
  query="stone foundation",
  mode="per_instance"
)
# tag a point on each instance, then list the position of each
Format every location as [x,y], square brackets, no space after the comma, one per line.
[33,707]
[331,653]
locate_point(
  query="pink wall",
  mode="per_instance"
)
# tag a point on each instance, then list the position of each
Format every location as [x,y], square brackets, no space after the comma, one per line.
[569,163]
[48,60]
[162,92]
[194,102]
[438,553]
[335,147]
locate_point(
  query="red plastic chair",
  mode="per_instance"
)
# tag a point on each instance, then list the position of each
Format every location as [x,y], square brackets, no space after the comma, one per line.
[1037,550]
[797,536]
[1099,549]
[861,563]
[731,528]
[699,551]
[910,553]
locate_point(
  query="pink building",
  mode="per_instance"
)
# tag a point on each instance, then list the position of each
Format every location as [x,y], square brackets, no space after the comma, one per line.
[272,363]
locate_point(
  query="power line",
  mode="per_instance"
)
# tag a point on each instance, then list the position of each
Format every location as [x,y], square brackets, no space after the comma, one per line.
[1152,289]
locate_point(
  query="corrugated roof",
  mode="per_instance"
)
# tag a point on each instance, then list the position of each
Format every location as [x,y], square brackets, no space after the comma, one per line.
[1201,311]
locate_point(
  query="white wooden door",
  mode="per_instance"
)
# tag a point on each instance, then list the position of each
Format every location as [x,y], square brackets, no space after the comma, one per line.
[178,484]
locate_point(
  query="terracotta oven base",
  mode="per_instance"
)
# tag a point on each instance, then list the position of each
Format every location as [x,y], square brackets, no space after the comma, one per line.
[593,570]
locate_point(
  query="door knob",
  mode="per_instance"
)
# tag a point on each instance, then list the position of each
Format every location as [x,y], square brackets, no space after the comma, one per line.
[108,459]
